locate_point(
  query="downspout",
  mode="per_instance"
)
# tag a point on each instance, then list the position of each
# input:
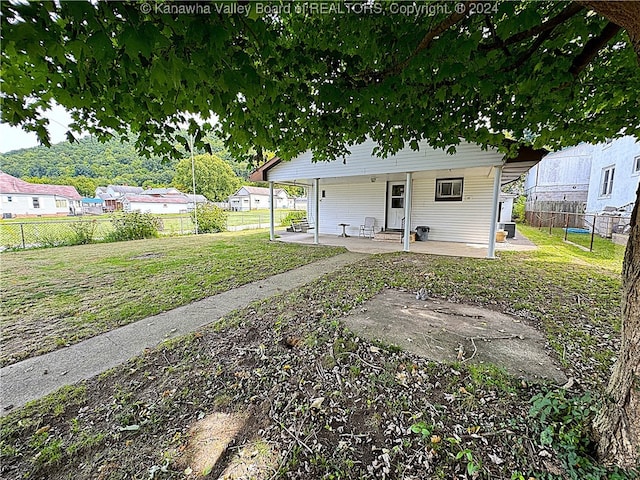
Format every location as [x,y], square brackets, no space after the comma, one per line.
[316,215]
[272,222]
[491,252]
[407,212]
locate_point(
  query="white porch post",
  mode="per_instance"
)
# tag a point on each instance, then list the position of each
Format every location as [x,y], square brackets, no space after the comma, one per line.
[491,252]
[316,213]
[272,222]
[407,212]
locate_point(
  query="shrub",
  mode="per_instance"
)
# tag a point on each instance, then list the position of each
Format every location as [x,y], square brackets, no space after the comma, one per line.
[292,216]
[211,218]
[133,226]
[519,209]
[83,232]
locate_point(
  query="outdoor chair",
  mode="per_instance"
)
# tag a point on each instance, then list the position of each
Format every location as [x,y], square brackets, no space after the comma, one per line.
[367,229]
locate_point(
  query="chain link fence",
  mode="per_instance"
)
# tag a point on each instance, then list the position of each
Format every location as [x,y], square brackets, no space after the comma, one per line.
[57,232]
[582,228]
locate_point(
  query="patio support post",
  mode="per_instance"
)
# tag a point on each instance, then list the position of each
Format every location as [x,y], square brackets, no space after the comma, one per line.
[407,212]
[272,223]
[491,252]
[316,213]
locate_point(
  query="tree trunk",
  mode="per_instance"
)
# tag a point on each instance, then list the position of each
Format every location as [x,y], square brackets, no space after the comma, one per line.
[617,424]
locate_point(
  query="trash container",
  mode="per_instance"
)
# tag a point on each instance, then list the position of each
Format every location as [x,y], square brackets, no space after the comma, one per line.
[422,233]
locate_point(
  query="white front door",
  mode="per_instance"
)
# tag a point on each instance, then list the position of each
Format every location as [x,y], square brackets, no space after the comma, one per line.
[395,205]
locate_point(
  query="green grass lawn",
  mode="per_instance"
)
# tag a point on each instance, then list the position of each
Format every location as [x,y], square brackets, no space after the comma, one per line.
[53,297]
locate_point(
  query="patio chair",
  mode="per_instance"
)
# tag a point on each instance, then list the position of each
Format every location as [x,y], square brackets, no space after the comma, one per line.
[367,229]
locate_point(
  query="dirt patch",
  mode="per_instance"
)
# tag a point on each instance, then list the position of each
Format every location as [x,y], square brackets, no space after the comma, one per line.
[147,256]
[449,332]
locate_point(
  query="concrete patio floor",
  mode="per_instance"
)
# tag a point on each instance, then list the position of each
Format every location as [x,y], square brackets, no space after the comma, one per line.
[366,245]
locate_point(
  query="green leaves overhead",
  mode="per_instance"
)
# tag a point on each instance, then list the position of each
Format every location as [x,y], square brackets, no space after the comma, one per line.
[303,79]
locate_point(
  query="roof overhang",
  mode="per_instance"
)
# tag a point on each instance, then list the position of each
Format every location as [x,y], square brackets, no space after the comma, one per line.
[515,167]
[260,173]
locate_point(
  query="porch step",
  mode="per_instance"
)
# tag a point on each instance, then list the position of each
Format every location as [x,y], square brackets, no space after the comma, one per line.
[392,237]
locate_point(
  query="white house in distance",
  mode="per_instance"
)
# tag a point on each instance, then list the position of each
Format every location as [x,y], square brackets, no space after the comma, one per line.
[456,196]
[23,199]
[560,182]
[255,198]
[615,171]
[599,179]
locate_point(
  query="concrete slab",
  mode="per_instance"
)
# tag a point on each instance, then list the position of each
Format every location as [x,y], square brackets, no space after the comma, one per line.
[366,245]
[449,332]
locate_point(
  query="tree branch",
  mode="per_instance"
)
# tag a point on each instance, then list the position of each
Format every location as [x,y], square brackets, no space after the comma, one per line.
[550,24]
[592,47]
[439,29]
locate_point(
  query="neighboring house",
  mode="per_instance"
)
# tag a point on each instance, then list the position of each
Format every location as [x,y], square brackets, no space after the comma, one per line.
[254,198]
[456,196]
[588,179]
[560,182]
[22,199]
[615,171]
[111,195]
[92,206]
[155,204]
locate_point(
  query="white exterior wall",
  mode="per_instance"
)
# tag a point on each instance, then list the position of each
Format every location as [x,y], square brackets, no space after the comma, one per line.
[560,176]
[22,204]
[362,162]
[506,210]
[463,221]
[156,208]
[621,154]
[467,221]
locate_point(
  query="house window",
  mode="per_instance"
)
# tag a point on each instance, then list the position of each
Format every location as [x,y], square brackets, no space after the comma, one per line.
[36,202]
[606,186]
[636,165]
[449,189]
[9,199]
[164,205]
[61,204]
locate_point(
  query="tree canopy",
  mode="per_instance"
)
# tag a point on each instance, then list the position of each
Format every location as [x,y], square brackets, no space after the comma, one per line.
[214,178]
[323,75]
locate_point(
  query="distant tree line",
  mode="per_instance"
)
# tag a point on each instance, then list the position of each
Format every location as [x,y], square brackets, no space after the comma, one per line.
[89,163]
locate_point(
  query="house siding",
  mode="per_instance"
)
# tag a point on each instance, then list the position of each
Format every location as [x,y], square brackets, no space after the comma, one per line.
[363,162]
[560,180]
[620,154]
[464,221]
[155,208]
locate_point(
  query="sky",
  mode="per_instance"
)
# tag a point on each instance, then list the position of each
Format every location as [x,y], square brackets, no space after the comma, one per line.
[14,138]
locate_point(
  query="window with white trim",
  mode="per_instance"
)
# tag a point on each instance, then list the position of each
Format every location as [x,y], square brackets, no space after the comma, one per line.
[449,189]
[606,186]
[36,202]
[636,164]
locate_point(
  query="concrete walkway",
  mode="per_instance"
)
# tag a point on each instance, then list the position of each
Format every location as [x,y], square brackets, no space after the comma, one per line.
[38,376]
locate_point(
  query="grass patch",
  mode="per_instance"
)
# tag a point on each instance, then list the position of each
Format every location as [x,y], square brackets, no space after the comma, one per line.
[56,297]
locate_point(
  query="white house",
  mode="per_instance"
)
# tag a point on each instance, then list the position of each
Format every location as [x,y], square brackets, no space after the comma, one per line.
[155,204]
[22,199]
[456,196]
[254,198]
[560,182]
[615,171]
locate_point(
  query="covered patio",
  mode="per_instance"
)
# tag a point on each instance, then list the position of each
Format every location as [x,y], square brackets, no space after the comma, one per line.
[432,247]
